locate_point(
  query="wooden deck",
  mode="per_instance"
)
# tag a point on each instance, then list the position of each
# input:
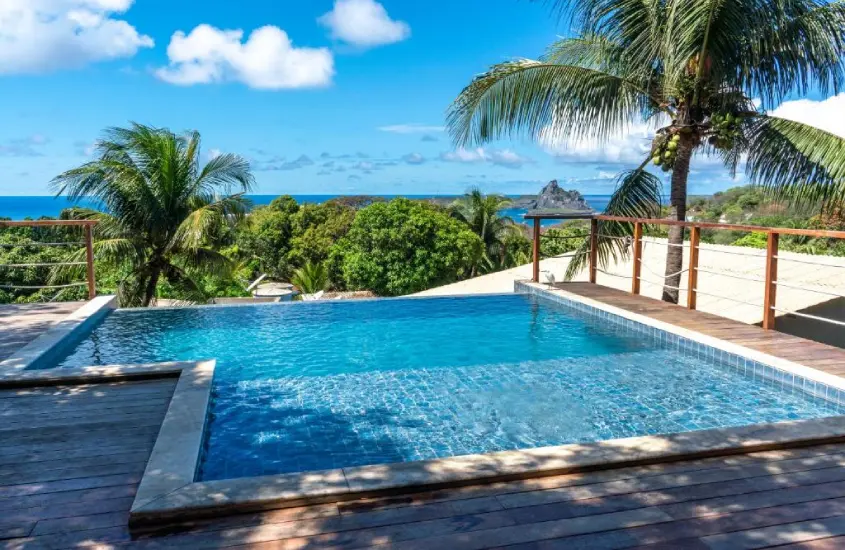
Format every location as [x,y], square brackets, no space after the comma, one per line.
[71,459]
[20,324]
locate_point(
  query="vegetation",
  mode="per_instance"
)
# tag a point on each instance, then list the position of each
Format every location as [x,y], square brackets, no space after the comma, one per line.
[282,237]
[694,70]
[350,243]
[14,251]
[403,246]
[563,238]
[311,278]
[504,244]
[165,213]
[750,206]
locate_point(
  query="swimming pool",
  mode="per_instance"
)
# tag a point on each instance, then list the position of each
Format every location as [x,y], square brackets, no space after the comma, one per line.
[315,386]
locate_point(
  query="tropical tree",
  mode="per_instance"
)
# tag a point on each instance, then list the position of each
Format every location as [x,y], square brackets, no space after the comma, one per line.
[164,213]
[311,278]
[703,72]
[401,247]
[483,215]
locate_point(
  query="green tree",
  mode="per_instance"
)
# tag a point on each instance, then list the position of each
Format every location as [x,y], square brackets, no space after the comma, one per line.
[482,213]
[403,246]
[564,238]
[264,237]
[691,67]
[283,236]
[316,227]
[310,278]
[24,263]
[165,212]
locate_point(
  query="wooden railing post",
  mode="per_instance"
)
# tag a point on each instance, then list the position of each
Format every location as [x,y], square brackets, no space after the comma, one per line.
[594,248]
[536,251]
[638,256]
[89,257]
[692,286]
[770,294]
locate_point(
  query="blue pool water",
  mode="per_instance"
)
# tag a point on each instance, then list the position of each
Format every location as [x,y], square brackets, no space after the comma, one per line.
[331,384]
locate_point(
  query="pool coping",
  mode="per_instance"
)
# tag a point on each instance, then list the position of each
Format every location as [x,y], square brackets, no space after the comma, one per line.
[168,492]
[50,343]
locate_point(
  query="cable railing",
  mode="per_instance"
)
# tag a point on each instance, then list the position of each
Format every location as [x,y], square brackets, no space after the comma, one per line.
[635,243]
[87,242]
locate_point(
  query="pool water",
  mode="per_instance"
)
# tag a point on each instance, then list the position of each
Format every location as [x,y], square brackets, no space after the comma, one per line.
[312,386]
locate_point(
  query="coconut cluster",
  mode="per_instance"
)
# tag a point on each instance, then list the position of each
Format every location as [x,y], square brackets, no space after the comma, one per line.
[665,151]
[725,131]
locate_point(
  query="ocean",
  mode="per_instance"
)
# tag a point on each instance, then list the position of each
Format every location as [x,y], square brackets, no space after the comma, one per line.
[21,208]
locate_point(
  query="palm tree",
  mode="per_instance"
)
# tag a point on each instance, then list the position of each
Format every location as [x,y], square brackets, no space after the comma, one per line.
[311,278]
[482,213]
[703,72]
[164,213]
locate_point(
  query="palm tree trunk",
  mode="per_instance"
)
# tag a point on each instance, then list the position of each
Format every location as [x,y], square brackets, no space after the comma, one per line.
[677,211]
[152,283]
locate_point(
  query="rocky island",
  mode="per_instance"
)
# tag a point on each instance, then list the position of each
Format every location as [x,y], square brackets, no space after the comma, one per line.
[553,198]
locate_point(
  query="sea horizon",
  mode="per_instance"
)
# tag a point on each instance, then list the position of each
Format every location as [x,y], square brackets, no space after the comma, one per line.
[19,207]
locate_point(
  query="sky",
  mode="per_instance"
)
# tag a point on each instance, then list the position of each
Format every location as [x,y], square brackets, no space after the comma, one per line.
[323,96]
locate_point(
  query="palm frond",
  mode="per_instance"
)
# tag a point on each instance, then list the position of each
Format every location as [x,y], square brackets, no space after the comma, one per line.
[799,46]
[637,195]
[198,226]
[545,99]
[225,173]
[797,162]
[188,289]
[204,260]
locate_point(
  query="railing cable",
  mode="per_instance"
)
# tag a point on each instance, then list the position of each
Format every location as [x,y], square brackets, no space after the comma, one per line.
[43,264]
[808,316]
[22,287]
[778,257]
[681,272]
[810,288]
[731,275]
[612,274]
[24,245]
[697,291]
[664,285]
[732,252]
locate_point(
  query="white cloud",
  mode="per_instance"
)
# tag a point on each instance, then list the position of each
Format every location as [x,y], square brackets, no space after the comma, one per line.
[465,155]
[363,23]
[267,60]
[411,128]
[214,153]
[629,147]
[413,158]
[44,35]
[499,157]
[508,159]
[827,114]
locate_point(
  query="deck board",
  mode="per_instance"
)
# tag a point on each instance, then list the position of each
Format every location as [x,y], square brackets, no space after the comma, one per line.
[71,459]
[24,323]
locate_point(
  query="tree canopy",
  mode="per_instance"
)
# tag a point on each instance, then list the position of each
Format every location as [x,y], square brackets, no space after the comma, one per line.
[164,212]
[405,246]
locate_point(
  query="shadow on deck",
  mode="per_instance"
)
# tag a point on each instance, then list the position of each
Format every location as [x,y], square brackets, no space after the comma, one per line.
[22,323]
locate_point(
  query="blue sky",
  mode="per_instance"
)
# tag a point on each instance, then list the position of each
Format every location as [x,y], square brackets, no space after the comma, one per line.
[323,96]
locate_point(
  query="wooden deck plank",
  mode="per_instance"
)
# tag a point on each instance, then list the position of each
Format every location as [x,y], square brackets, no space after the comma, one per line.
[23,323]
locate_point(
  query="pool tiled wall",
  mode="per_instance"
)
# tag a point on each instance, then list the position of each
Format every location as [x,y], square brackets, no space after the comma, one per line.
[767,374]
